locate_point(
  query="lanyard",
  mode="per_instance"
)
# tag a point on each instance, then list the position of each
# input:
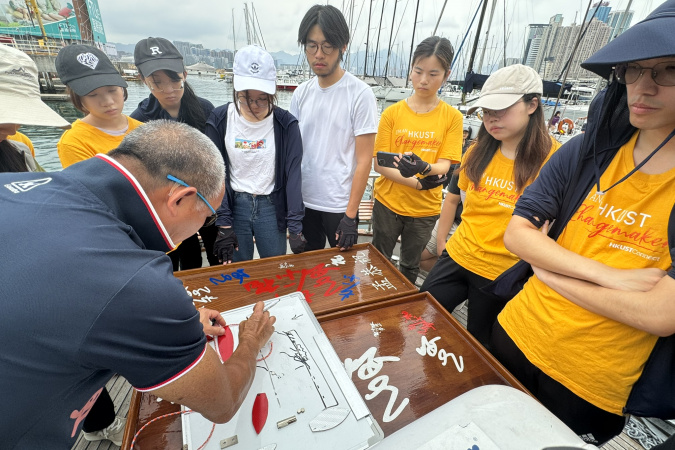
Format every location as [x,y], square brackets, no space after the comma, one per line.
[625,177]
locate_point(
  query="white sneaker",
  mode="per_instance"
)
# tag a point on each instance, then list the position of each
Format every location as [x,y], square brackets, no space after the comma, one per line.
[114,432]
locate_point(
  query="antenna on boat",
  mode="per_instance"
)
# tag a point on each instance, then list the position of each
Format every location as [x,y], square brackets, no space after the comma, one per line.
[412,42]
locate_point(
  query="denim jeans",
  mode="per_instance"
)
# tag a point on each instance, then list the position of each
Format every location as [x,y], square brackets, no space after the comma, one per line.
[255,215]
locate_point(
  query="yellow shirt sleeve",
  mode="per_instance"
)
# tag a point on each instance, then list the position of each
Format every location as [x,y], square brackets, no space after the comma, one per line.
[20,137]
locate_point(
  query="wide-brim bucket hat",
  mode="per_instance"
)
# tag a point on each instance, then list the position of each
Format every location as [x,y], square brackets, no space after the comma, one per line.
[653,37]
[20,101]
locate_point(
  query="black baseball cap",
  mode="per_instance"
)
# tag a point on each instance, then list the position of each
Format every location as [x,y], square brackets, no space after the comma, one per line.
[651,38]
[155,53]
[84,68]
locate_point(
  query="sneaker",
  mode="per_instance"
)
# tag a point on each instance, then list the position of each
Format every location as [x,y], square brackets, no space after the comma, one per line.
[114,432]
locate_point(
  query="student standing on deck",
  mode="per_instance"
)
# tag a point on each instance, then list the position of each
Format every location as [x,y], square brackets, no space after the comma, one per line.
[511,147]
[161,68]
[96,89]
[427,134]
[580,331]
[262,150]
[338,120]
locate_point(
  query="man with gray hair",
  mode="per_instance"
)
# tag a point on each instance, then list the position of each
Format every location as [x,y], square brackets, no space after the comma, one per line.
[102,299]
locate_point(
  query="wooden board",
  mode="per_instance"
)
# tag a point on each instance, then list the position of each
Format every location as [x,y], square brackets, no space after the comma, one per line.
[410,348]
[395,328]
[329,279]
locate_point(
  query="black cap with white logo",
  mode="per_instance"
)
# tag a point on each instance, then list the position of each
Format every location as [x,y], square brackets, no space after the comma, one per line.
[153,54]
[84,68]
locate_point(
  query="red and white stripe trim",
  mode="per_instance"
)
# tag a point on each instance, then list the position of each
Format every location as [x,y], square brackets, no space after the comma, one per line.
[141,193]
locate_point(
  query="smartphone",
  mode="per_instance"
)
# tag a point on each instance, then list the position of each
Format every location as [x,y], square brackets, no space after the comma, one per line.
[386,159]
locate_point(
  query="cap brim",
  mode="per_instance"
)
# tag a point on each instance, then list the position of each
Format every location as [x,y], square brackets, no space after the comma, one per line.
[247,83]
[84,85]
[645,40]
[29,111]
[495,102]
[149,67]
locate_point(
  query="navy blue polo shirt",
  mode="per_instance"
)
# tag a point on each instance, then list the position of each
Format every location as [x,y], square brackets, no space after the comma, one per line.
[87,291]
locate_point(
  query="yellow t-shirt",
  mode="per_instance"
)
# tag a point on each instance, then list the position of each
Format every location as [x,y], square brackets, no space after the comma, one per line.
[431,136]
[83,141]
[478,242]
[20,137]
[597,358]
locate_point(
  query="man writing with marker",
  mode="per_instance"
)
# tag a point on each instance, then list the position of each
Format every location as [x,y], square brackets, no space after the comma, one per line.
[102,299]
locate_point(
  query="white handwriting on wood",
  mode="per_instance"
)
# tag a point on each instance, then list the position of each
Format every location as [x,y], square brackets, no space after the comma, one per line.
[429,348]
[366,367]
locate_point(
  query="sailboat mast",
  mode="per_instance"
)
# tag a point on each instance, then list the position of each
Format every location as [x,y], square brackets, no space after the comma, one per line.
[475,46]
[365,61]
[391,34]
[487,36]
[377,44]
[574,50]
[412,42]
[234,40]
[439,18]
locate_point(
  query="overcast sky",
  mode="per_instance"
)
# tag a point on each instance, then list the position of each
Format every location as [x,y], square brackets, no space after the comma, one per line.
[209,22]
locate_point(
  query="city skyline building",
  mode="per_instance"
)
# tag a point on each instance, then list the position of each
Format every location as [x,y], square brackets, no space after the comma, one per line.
[616,21]
[532,43]
[602,14]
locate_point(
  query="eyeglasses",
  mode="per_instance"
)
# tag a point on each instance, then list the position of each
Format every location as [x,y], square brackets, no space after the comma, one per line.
[312,47]
[496,113]
[210,220]
[663,73]
[260,103]
[166,86]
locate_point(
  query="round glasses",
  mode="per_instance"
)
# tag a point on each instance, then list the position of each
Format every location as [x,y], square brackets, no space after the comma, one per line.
[312,47]
[663,73]
[166,86]
[260,103]
[497,113]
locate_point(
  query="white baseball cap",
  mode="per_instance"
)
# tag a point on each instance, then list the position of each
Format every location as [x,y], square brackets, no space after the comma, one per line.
[506,86]
[20,100]
[254,69]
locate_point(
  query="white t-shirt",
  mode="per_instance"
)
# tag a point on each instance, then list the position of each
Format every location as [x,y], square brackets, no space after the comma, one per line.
[251,151]
[329,120]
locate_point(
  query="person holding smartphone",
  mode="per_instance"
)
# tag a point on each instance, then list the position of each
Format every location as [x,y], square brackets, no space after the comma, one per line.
[427,135]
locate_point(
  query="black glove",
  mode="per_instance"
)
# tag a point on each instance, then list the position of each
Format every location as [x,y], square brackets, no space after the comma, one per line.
[346,233]
[297,243]
[431,182]
[225,245]
[411,165]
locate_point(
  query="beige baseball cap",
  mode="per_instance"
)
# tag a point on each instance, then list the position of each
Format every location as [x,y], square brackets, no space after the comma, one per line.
[506,86]
[20,100]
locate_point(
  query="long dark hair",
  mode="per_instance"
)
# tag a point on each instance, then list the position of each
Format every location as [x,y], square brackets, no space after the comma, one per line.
[11,160]
[531,151]
[271,102]
[436,46]
[191,111]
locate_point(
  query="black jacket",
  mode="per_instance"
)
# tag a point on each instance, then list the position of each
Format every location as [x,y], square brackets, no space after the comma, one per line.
[287,192]
[150,109]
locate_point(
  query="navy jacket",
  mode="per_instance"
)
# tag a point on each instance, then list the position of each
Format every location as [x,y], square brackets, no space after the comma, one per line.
[150,109]
[557,194]
[287,192]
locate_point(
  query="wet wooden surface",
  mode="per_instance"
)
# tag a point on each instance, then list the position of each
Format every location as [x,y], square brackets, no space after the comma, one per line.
[330,280]
[395,355]
[410,351]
